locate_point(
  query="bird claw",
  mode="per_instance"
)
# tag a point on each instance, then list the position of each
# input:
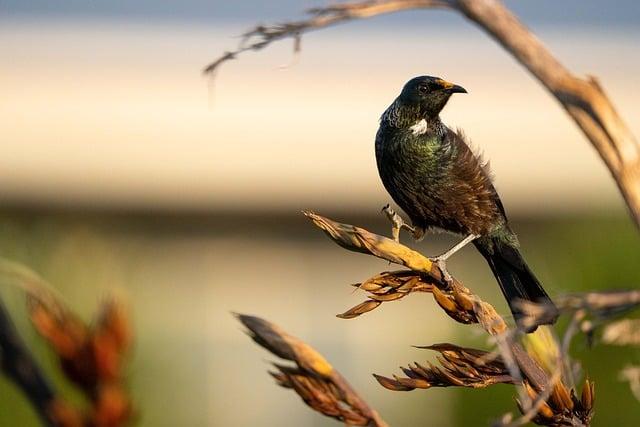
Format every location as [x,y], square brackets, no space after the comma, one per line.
[441,262]
[397,223]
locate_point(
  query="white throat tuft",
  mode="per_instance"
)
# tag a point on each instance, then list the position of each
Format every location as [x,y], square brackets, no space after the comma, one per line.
[420,128]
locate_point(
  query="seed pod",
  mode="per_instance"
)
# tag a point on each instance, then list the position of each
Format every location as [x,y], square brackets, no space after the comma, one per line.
[561,398]
[462,299]
[587,395]
[359,309]
[443,301]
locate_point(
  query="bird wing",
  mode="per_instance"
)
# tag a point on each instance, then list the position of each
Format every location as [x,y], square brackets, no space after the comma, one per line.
[472,199]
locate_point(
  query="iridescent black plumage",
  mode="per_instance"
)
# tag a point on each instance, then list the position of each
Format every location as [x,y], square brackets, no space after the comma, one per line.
[432,174]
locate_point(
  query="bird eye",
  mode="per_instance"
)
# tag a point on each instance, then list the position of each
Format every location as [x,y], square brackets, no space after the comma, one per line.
[423,89]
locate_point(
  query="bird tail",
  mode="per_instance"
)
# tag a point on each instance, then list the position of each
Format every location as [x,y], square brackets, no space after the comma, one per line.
[516,280]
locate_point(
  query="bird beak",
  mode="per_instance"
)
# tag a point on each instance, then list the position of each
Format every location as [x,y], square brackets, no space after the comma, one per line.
[457,89]
[450,87]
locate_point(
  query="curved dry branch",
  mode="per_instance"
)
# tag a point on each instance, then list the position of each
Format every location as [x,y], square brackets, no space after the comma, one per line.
[313,378]
[263,35]
[583,98]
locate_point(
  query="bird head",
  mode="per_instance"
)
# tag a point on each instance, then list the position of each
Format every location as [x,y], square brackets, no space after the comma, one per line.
[428,94]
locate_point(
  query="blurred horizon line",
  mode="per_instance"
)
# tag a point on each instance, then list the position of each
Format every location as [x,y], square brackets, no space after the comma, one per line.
[268,213]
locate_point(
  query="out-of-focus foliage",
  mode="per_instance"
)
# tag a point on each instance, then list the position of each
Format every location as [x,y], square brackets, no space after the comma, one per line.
[182,282]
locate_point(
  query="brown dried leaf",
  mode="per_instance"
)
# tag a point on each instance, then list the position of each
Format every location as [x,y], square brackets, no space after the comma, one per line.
[393,384]
[359,309]
[392,296]
[589,400]
[388,286]
[462,299]
[444,301]
[561,398]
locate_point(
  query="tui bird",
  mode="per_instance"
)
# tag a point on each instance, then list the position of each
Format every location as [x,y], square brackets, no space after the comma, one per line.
[440,183]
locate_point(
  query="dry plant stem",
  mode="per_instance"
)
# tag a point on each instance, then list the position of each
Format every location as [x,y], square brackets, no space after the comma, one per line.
[517,360]
[562,360]
[572,329]
[584,99]
[602,303]
[315,368]
[360,240]
[18,364]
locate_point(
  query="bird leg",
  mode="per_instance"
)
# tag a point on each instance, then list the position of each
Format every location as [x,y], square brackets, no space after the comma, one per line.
[441,260]
[397,223]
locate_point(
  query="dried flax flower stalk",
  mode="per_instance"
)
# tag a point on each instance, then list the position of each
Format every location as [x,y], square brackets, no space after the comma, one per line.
[312,377]
[423,276]
[460,366]
[91,357]
[544,398]
[467,367]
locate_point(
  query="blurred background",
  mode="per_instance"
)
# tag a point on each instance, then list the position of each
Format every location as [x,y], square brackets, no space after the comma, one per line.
[124,170]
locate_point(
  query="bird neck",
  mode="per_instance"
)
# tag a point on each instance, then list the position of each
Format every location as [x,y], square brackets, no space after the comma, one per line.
[400,115]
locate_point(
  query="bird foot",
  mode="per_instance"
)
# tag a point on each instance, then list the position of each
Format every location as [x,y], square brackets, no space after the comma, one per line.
[397,223]
[441,262]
